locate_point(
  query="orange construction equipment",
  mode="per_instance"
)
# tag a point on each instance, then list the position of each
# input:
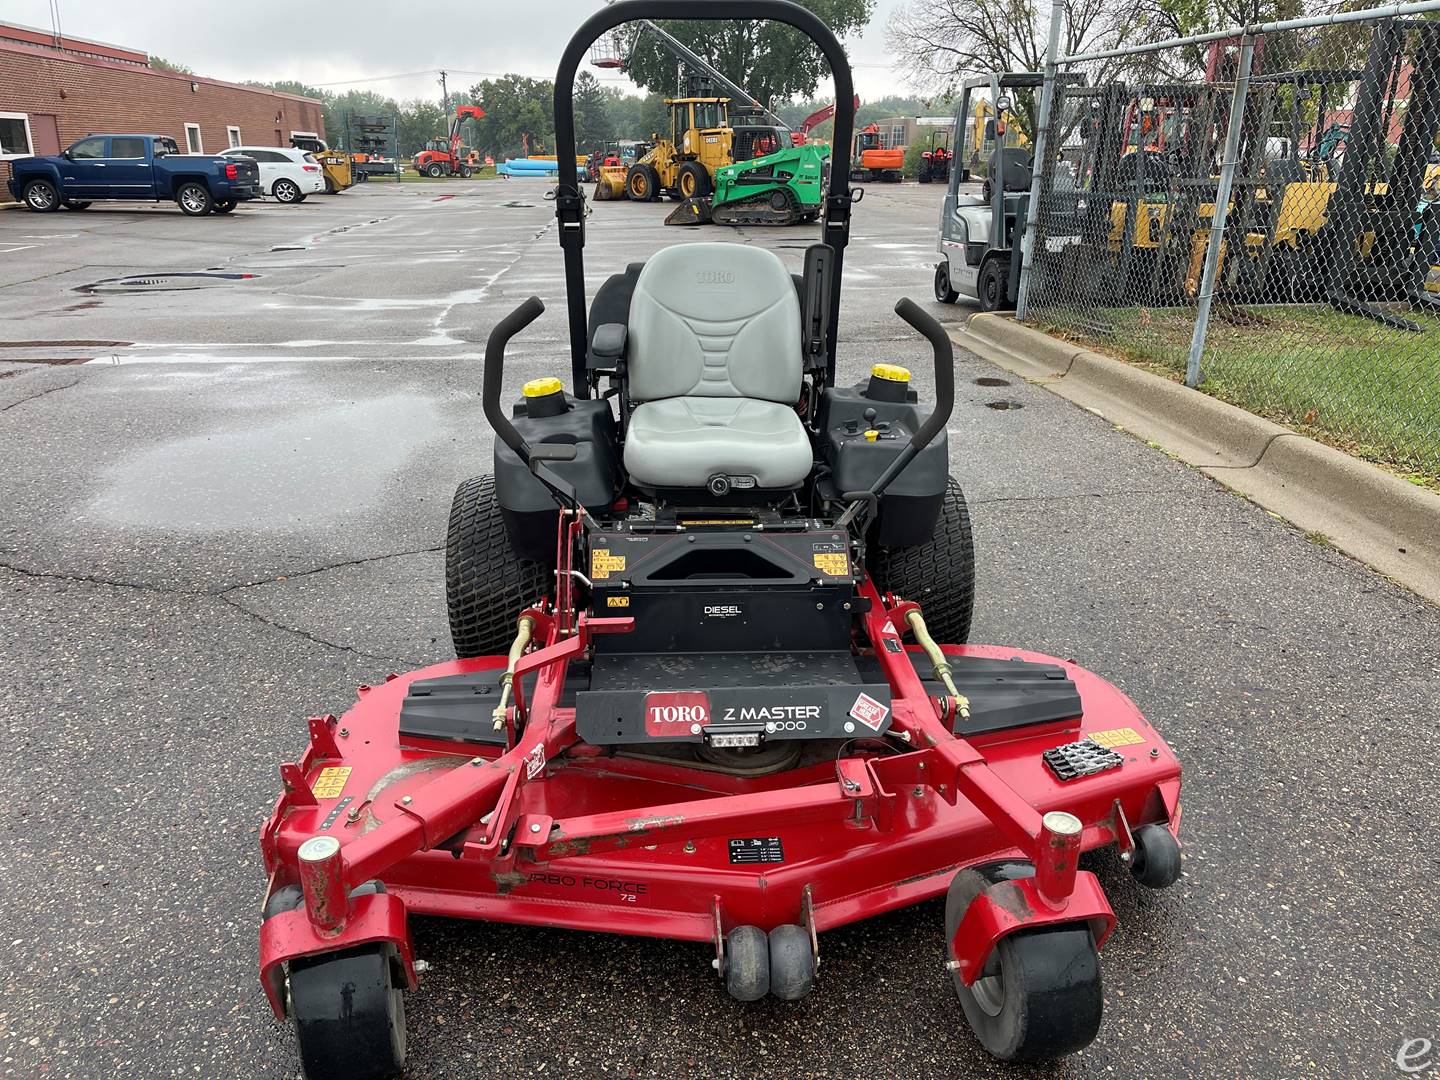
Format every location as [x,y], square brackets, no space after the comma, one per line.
[443,157]
[871,159]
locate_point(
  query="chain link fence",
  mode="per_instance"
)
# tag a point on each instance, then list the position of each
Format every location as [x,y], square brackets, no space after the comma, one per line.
[1256,210]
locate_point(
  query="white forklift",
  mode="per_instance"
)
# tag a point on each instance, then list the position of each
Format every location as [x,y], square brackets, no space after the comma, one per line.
[980,230]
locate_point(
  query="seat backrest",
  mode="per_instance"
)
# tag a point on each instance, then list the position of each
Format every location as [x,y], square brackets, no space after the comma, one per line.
[714,320]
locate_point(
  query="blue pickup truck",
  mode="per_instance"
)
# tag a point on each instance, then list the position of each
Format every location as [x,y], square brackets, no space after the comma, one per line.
[133,167]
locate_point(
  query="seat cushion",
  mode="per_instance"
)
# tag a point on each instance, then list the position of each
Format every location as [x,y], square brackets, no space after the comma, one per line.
[683,441]
[714,320]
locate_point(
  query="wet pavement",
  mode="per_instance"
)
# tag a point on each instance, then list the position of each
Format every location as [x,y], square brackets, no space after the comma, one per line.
[224,510]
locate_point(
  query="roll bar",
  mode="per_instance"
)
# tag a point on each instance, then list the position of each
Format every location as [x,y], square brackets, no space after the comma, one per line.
[570,205]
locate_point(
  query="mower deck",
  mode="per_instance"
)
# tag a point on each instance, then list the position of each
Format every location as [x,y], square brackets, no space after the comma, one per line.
[656,840]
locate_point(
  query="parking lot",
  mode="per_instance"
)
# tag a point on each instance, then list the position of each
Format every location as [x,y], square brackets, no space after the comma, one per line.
[231,444]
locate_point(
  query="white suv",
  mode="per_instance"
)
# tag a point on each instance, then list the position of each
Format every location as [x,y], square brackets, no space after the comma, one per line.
[290,175]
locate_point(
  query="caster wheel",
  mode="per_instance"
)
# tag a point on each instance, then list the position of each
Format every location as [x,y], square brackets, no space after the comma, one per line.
[349,1015]
[1155,862]
[747,963]
[792,962]
[1039,996]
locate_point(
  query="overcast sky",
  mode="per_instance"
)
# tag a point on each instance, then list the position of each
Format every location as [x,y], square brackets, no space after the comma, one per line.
[320,43]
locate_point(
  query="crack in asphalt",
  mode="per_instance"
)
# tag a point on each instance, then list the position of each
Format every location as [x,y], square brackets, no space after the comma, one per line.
[224,596]
[281,578]
[1063,498]
[42,393]
[315,638]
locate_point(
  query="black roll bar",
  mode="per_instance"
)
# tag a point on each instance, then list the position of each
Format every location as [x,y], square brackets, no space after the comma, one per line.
[570,206]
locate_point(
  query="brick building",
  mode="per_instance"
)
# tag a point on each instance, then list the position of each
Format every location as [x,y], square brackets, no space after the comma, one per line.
[54,91]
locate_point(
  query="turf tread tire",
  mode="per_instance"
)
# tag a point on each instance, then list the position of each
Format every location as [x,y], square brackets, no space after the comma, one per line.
[939,574]
[486,584]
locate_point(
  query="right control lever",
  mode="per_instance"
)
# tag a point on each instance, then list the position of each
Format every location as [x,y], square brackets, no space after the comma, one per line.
[935,423]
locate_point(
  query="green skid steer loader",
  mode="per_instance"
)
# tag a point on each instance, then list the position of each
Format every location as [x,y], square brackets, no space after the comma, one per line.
[783,188]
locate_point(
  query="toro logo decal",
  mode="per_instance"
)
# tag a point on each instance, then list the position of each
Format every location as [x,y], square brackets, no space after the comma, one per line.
[673,713]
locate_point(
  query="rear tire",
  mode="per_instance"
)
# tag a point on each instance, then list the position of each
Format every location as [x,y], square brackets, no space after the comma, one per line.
[224,206]
[194,200]
[939,574]
[994,286]
[434,171]
[286,191]
[1040,996]
[41,196]
[349,1015]
[486,584]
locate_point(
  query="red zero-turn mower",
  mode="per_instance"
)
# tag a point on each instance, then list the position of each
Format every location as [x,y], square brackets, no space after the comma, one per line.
[697,693]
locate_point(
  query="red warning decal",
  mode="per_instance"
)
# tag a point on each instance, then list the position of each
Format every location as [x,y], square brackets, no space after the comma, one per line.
[869,712]
[678,712]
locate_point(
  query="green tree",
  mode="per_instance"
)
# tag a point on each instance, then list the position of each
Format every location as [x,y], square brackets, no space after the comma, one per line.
[518,115]
[593,126]
[637,117]
[770,60]
[159,63]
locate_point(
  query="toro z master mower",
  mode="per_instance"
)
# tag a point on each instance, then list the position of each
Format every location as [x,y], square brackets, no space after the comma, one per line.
[685,704]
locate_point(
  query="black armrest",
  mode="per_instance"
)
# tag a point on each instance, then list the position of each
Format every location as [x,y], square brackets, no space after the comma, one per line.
[607,345]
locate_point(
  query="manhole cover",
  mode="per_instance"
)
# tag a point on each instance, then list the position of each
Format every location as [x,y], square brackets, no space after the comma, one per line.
[991,380]
[182,280]
[1003,405]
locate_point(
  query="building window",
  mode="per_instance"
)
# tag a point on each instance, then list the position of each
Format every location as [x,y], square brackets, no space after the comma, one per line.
[193,145]
[897,135]
[234,135]
[15,135]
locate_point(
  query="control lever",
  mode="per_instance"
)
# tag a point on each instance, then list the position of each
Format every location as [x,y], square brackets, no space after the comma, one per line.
[534,457]
[922,321]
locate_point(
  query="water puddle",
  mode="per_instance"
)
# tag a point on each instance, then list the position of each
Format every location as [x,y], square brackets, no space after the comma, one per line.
[313,466]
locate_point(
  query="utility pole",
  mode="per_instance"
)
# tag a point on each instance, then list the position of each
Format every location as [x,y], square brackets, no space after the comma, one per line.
[444,96]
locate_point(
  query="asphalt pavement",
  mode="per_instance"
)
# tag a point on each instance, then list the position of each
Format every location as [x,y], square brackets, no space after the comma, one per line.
[230,445]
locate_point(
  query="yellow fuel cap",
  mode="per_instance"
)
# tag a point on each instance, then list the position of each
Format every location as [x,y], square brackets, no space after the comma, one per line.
[542,387]
[871,435]
[891,373]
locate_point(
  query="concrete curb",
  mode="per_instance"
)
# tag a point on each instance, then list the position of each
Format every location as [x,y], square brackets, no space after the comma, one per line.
[1383,521]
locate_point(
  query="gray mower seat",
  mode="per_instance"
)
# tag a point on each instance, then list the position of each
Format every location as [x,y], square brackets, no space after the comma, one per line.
[714,364]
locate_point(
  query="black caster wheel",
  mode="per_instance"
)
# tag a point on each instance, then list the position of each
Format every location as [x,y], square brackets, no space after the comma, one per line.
[747,963]
[1039,996]
[792,962]
[1155,862]
[349,1015]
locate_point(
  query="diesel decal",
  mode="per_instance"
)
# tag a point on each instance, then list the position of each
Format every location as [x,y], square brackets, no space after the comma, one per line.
[722,611]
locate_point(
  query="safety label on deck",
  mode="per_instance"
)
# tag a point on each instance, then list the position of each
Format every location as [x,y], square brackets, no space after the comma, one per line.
[757,849]
[331,781]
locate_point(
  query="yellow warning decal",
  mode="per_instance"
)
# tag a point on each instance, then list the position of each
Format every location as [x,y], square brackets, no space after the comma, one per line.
[1120,736]
[331,781]
[602,562]
[617,601]
[832,563]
